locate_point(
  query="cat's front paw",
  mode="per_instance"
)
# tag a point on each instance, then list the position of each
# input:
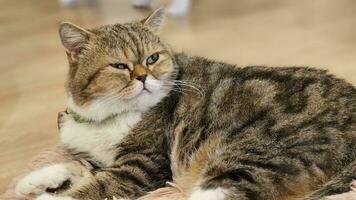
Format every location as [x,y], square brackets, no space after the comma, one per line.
[37,182]
[353,185]
[351,195]
[61,118]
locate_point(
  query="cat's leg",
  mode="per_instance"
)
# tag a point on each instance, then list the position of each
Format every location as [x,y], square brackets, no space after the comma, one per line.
[209,194]
[141,166]
[342,186]
[49,178]
[196,193]
[179,7]
[351,195]
[141,3]
[133,177]
[222,171]
[38,181]
[273,178]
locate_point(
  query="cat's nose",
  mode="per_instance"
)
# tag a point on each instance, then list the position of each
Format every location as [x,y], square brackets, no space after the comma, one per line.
[139,73]
[142,78]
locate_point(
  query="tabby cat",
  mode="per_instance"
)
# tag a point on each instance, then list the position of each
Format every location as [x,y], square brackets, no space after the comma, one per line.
[140,115]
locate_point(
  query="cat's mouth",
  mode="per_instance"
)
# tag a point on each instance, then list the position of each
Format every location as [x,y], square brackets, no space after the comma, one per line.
[144,91]
[145,88]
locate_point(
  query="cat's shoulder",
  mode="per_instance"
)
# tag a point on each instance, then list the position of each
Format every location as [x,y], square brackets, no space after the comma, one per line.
[186,60]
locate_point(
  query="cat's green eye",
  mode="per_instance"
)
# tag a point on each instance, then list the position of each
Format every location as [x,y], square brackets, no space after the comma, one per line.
[152,59]
[119,65]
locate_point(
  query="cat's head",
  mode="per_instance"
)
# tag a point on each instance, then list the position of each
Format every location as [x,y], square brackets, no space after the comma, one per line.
[117,68]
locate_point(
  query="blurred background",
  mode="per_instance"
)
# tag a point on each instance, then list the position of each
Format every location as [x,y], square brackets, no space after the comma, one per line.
[318,33]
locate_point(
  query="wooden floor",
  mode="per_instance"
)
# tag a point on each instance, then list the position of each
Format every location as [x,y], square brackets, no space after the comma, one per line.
[320,33]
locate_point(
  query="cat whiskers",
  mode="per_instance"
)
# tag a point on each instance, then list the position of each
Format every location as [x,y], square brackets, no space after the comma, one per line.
[185,86]
[184,91]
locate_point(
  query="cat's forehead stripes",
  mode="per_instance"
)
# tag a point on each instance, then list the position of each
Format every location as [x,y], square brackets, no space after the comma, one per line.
[127,39]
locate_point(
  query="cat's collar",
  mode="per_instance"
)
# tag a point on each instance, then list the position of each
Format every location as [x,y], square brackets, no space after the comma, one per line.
[80,119]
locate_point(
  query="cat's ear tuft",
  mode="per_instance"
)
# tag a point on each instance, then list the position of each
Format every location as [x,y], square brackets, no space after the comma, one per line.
[155,20]
[73,38]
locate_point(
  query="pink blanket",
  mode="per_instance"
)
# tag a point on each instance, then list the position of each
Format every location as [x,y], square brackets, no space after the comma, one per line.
[46,157]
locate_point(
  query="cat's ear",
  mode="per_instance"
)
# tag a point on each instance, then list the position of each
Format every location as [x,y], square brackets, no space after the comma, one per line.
[155,20]
[74,38]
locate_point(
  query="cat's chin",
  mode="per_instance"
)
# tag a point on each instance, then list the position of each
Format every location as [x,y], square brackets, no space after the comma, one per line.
[143,93]
[146,99]
[148,95]
[139,92]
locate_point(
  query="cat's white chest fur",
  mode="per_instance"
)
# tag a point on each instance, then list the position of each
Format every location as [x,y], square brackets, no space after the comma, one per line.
[98,140]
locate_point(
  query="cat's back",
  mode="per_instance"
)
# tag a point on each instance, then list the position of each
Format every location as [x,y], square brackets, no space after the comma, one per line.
[284,98]
[297,114]
[290,87]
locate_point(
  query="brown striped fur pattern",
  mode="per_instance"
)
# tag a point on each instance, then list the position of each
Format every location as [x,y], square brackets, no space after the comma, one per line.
[247,133]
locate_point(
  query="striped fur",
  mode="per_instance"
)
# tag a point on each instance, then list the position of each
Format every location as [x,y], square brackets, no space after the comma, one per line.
[222,131]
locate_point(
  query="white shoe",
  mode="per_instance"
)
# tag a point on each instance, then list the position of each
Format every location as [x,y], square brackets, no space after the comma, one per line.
[142,3]
[179,8]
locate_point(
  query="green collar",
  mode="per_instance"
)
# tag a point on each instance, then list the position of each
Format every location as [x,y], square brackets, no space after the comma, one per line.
[80,119]
[77,118]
